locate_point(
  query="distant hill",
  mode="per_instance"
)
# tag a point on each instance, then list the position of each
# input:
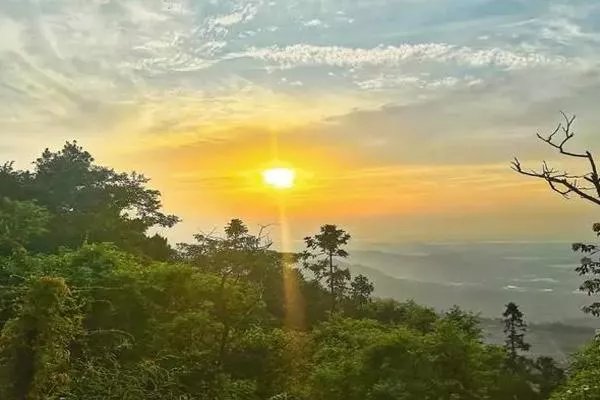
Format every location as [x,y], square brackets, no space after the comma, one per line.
[482,277]
[556,339]
[541,307]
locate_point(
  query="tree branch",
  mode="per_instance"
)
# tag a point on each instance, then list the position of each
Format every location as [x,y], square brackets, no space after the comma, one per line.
[562,182]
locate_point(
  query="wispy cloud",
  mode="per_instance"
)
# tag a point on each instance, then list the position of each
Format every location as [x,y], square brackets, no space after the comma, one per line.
[392,56]
[390,80]
[246,14]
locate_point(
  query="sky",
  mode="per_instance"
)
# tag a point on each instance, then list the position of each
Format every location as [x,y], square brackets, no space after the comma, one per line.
[399,116]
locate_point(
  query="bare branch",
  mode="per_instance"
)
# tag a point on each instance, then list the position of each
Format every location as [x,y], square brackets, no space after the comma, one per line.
[567,130]
[564,192]
[264,239]
[563,182]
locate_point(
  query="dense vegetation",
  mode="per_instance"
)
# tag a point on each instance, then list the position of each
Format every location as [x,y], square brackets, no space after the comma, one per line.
[94,307]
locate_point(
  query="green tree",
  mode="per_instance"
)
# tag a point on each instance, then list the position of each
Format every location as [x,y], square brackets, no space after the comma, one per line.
[590,271]
[409,313]
[514,329]
[35,346]
[87,202]
[231,256]
[165,330]
[466,321]
[319,259]
[20,222]
[13,182]
[240,255]
[583,380]
[366,360]
[361,290]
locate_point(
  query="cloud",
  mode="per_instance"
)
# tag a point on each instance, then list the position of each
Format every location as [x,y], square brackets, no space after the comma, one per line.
[536,280]
[246,14]
[10,31]
[515,288]
[81,66]
[391,56]
[314,22]
[389,80]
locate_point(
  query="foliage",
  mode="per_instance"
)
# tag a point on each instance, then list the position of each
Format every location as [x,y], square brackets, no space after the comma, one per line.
[361,290]
[92,307]
[364,359]
[129,330]
[467,321]
[583,382]
[548,376]
[240,256]
[86,202]
[392,312]
[21,221]
[590,271]
[35,345]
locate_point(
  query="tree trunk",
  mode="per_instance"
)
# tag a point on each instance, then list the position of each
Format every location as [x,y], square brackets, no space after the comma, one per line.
[331,283]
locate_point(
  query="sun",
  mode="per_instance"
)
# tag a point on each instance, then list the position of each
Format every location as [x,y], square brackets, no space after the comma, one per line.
[279,178]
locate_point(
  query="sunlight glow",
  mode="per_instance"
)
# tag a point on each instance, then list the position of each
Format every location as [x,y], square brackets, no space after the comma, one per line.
[279,178]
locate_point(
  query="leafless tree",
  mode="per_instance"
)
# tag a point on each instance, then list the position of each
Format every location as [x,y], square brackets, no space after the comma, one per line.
[585,185]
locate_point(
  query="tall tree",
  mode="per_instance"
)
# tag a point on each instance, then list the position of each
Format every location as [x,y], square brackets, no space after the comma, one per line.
[514,328]
[87,202]
[319,258]
[235,258]
[584,185]
[237,254]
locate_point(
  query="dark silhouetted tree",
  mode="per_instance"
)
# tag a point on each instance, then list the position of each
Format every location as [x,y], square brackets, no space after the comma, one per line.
[584,185]
[514,329]
[548,376]
[319,259]
[157,248]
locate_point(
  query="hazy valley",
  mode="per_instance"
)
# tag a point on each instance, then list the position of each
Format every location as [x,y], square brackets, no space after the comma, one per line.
[483,277]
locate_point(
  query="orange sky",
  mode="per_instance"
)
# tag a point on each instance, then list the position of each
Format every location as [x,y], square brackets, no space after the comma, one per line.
[211,181]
